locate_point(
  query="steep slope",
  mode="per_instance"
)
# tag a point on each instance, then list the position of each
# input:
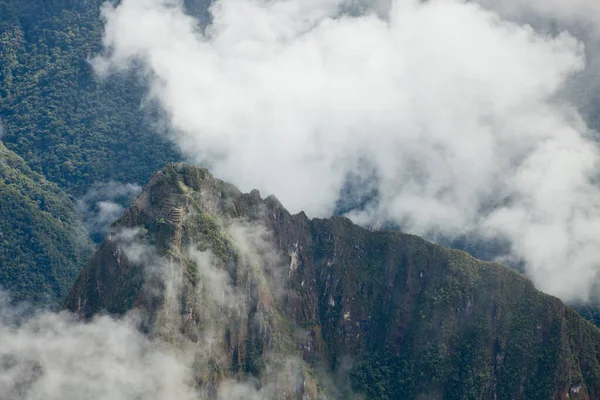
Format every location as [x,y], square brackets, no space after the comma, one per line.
[65,122]
[42,243]
[401,317]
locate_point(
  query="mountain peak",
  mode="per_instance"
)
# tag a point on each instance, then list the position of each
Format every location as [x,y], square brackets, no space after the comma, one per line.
[197,256]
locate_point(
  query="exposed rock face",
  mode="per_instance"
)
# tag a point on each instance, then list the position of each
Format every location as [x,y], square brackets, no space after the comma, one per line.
[262,290]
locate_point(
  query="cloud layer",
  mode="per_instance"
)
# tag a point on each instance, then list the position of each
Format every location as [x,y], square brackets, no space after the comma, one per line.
[446,111]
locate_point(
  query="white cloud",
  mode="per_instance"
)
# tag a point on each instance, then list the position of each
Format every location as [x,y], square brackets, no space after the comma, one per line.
[104,203]
[50,356]
[54,356]
[452,107]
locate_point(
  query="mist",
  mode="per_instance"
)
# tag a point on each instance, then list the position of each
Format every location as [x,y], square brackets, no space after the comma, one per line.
[103,204]
[46,355]
[453,114]
[53,356]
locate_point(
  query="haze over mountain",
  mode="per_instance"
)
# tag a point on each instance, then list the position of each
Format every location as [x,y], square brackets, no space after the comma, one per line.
[454,116]
[254,292]
[218,294]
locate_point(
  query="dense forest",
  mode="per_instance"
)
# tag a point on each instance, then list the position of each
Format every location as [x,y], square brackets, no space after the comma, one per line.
[69,125]
[72,129]
[42,243]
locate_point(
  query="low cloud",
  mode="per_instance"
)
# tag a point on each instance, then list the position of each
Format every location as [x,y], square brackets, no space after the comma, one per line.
[103,204]
[451,112]
[49,356]
[52,356]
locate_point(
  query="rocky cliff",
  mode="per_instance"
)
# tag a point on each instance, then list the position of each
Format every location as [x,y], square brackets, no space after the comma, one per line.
[287,302]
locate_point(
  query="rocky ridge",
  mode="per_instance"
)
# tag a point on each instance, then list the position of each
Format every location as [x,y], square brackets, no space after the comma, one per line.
[287,302]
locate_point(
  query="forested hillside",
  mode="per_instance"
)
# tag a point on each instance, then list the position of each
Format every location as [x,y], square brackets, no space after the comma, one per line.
[42,243]
[67,124]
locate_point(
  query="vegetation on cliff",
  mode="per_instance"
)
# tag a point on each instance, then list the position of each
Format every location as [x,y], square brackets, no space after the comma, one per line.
[414,319]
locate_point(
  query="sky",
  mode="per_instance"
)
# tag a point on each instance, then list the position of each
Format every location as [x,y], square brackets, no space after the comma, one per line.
[454,115]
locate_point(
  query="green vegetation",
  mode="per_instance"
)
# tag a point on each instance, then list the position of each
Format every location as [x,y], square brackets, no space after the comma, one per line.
[438,323]
[42,243]
[67,124]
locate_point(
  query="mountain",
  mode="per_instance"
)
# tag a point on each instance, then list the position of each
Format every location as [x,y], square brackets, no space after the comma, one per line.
[78,129]
[42,242]
[254,289]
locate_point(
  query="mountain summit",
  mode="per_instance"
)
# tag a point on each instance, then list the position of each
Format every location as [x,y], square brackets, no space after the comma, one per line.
[260,295]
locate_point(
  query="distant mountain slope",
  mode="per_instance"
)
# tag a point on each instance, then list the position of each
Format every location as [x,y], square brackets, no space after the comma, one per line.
[42,244]
[67,124]
[412,319]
